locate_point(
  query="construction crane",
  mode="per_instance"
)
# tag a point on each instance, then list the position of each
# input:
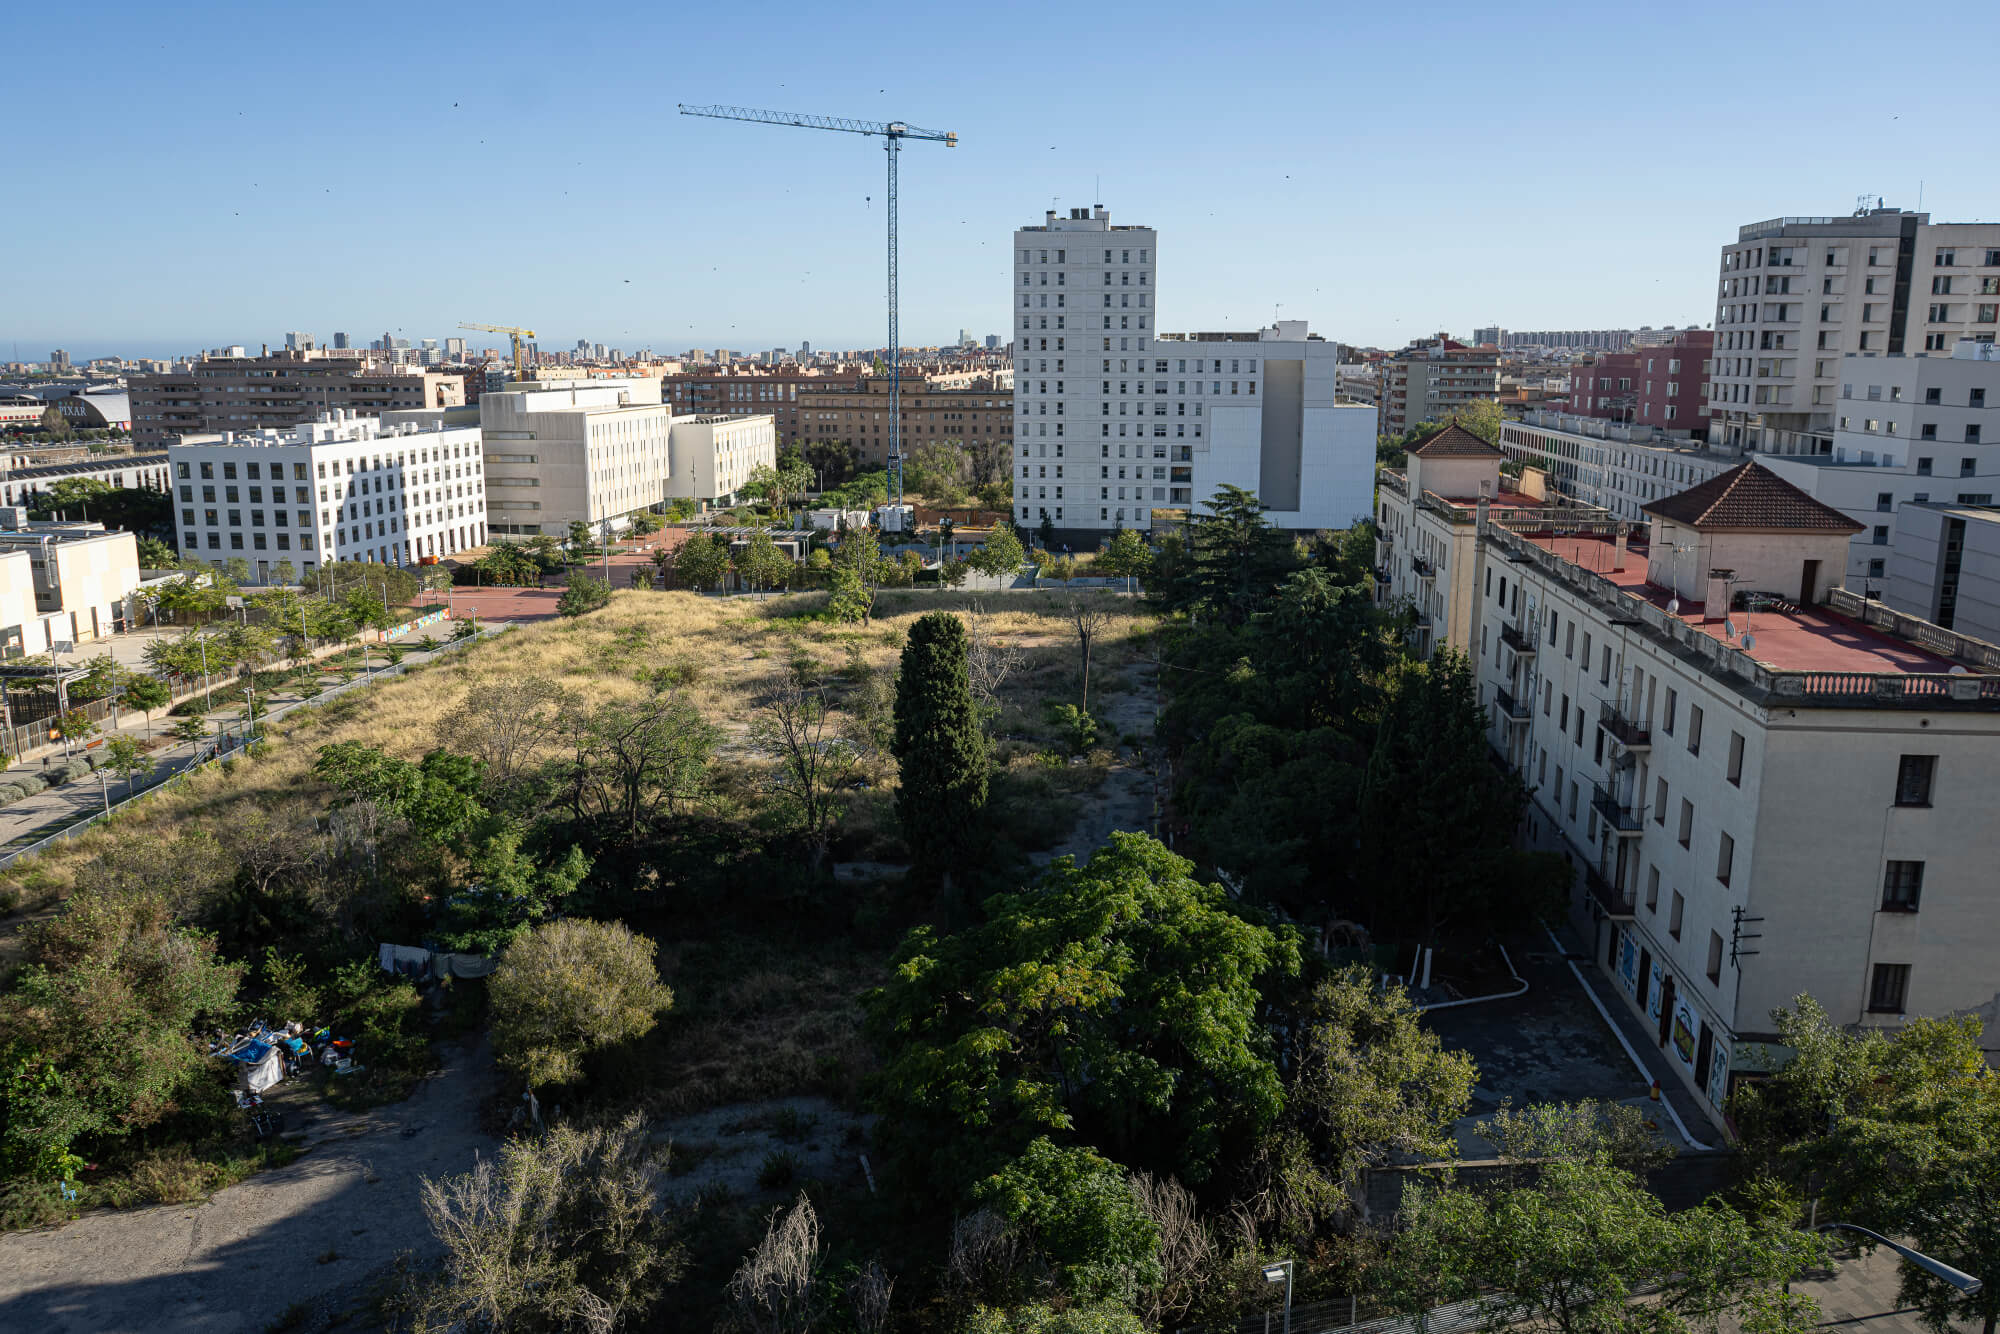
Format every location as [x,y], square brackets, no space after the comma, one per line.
[517,335]
[892,135]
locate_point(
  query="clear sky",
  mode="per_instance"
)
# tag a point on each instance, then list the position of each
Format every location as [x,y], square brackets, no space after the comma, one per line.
[185,176]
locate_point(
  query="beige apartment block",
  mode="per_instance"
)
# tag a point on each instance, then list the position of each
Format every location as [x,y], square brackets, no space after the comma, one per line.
[1797,295]
[284,389]
[62,583]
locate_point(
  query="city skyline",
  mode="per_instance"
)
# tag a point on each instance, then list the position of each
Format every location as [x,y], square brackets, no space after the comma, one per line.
[1379,217]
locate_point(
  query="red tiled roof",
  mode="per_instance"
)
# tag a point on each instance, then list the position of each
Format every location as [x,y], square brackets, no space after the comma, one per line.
[1454,442]
[1752,497]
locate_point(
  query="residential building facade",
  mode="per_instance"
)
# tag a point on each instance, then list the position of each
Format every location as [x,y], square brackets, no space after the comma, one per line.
[1661,386]
[1433,378]
[1606,463]
[23,484]
[343,488]
[713,392]
[1767,785]
[246,394]
[857,414]
[1795,295]
[62,583]
[1145,420]
[1944,566]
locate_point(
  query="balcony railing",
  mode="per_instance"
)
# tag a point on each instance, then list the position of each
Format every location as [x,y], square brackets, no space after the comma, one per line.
[1625,731]
[1521,642]
[1516,710]
[1614,901]
[1423,568]
[1628,821]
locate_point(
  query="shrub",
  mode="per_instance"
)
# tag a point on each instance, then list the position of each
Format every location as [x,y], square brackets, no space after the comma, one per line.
[10,792]
[75,769]
[29,784]
[171,1176]
[1076,729]
[779,1169]
[567,987]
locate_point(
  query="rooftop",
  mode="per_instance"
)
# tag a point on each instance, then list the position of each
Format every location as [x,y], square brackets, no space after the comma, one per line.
[1454,442]
[1750,497]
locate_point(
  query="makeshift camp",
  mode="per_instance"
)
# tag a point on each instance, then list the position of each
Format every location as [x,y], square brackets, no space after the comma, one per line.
[261,1063]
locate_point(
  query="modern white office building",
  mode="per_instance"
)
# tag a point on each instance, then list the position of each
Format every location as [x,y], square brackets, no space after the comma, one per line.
[1766,784]
[340,488]
[1114,419]
[1944,566]
[1796,295]
[594,451]
[711,456]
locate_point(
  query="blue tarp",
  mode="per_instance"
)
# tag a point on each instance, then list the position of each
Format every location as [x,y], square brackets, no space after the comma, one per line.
[250,1053]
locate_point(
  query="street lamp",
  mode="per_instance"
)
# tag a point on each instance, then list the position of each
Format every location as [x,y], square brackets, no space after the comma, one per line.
[1937,1269]
[1281,1272]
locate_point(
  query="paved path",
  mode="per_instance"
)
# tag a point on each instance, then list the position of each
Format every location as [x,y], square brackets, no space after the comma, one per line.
[237,1262]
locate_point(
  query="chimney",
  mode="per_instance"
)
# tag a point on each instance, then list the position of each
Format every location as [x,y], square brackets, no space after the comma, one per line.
[1618,549]
[1716,607]
[1479,512]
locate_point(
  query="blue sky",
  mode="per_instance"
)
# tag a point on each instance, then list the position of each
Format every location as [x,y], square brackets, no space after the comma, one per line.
[188,176]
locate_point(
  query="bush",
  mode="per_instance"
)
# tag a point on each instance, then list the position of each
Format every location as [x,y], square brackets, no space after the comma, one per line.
[10,792]
[567,987]
[779,1169]
[1076,729]
[29,784]
[75,769]
[586,593]
[171,1176]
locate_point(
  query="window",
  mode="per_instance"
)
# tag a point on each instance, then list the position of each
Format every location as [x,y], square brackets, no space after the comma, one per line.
[1725,859]
[1674,917]
[1694,729]
[1667,717]
[1913,779]
[1888,988]
[1715,958]
[1736,758]
[1885,501]
[1652,889]
[1687,822]
[1902,886]
[1660,802]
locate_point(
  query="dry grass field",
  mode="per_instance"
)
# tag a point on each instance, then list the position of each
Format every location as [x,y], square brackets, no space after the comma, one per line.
[760,1012]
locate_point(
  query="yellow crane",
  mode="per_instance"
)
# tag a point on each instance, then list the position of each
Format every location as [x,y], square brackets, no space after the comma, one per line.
[517,335]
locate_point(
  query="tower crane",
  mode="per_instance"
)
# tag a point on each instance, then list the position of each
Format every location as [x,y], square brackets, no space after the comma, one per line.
[517,334]
[892,135]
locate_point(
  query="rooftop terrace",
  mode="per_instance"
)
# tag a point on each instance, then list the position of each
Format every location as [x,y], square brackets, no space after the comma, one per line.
[1845,652]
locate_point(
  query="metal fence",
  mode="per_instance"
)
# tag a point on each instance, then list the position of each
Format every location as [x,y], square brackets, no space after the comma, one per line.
[211,752]
[1345,1314]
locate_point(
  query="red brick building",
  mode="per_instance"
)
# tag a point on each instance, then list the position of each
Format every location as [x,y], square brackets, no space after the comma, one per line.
[777,392]
[1664,386]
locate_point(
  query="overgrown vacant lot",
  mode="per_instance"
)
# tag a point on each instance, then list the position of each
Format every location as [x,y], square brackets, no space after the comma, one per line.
[765,960]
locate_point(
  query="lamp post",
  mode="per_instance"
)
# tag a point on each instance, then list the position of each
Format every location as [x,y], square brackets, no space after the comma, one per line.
[1937,1269]
[1281,1272]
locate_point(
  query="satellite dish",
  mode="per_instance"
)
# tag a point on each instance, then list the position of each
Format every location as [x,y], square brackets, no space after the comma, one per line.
[1729,626]
[1749,641]
[1673,606]
[1959,671]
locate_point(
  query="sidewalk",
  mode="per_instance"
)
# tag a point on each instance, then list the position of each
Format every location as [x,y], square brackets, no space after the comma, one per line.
[26,823]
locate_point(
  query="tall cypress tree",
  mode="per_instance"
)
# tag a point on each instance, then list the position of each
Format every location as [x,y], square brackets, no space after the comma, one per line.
[939,746]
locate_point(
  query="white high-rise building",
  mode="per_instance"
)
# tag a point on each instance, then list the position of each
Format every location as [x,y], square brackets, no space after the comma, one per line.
[1113,419]
[340,488]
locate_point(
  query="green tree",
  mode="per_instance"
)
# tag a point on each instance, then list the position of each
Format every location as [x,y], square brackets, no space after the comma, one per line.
[762,564]
[1001,554]
[1365,1082]
[1081,1210]
[156,554]
[939,747]
[700,562]
[76,493]
[1897,1133]
[816,756]
[284,572]
[562,1232]
[96,1035]
[1570,1254]
[852,600]
[1429,773]
[1117,999]
[123,757]
[568,988]
[1125,556]
[1233,561]
[584,593]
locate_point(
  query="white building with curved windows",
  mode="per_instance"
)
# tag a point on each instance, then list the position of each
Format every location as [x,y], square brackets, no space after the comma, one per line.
[340,488]
[1116,423]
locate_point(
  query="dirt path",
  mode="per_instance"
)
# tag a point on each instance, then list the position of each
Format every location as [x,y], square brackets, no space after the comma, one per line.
[1126,799]
[238,1261]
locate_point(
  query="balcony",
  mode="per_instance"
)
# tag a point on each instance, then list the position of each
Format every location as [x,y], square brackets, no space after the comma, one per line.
[1613,901]
[1623,730]
[1422,568]
[1517,710]
[1628,821]
[1523,644]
